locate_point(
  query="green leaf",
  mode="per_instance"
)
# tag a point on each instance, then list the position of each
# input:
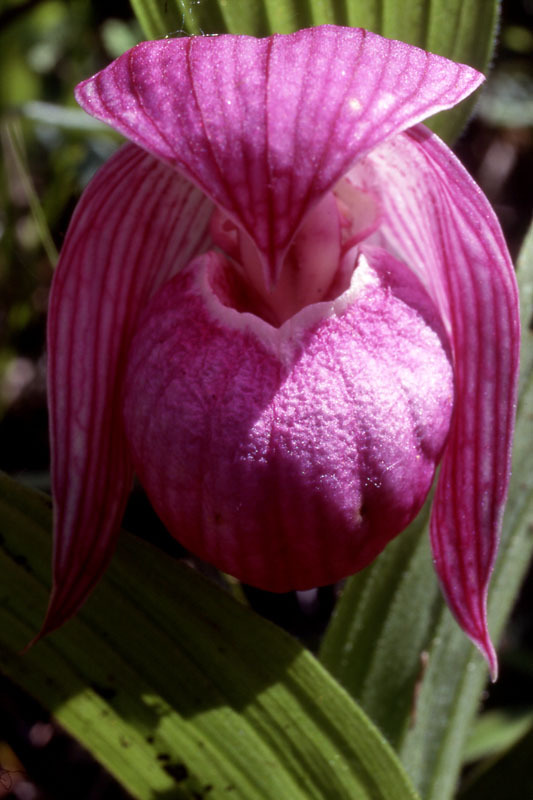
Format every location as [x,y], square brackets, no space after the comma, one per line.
[497,731]
[62,117]
[177,689]
[525,283]
[463,30]
[393,643]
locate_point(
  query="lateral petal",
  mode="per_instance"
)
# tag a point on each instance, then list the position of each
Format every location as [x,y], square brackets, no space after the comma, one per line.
[441,224]
[134,227]
[266,126]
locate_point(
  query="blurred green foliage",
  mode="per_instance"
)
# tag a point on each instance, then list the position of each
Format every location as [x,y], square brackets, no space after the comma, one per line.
[50,149]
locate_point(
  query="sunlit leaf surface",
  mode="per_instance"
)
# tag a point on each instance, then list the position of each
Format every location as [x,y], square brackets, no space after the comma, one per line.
[175,687]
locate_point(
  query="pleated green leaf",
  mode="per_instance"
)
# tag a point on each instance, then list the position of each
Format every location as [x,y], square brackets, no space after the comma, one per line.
[175,687]
[394,645]
[463,30]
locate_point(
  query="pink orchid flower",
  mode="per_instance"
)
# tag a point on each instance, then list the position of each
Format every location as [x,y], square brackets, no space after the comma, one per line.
[282,306]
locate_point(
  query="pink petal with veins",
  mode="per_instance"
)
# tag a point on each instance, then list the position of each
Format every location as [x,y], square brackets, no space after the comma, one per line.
[266,126]
[439,222]
[136,224]
[288,456]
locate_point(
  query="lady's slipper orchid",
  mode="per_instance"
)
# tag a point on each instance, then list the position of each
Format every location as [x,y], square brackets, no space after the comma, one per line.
[282,306]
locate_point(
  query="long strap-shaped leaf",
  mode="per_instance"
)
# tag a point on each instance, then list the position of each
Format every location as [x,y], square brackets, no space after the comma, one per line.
[392,642]
[462,30]
[175,687]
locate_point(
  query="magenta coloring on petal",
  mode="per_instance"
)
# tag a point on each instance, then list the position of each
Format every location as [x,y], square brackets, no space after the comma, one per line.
[286,401]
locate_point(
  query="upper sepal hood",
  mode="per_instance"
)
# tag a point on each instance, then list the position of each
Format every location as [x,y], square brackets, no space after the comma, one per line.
[266,126]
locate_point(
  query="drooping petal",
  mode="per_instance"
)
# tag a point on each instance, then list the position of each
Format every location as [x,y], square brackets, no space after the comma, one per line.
[135,226]
[288,456]
[441,224]
[266,126]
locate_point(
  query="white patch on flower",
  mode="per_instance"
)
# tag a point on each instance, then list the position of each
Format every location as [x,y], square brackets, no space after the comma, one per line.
[285,340]
[354,104]
[385,102]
